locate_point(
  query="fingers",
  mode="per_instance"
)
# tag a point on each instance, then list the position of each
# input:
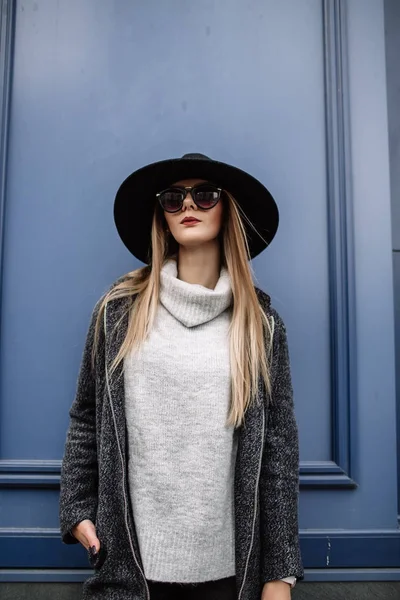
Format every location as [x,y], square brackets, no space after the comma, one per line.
[85,533]
[93,540]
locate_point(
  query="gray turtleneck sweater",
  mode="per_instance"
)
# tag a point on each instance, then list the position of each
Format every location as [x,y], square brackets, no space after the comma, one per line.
[181,453]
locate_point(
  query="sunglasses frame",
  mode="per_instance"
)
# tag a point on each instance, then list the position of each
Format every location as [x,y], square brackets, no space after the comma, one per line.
[189,189]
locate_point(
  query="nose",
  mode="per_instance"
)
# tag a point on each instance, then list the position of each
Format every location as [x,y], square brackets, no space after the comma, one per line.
[189,202]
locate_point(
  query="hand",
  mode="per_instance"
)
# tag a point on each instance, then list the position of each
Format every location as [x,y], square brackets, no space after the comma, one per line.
[276,590]
[85,533]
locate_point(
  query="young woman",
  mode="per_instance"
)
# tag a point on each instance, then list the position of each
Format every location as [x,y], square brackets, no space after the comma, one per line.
[180,473]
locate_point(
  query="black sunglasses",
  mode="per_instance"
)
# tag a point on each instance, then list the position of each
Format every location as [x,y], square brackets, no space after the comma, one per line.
[204,195]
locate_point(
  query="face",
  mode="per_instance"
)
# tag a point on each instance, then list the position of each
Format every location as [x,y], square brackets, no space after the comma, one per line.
[205,229]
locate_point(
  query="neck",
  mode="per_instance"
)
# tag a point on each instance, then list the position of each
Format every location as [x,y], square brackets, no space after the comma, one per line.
[200,265]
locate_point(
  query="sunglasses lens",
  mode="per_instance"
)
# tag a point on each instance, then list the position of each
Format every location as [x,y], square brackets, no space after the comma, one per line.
[206,196]
[171,200]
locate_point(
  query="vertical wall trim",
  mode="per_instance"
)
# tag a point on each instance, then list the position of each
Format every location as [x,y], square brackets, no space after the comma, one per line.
[7,13]
[340,471]
[392,49]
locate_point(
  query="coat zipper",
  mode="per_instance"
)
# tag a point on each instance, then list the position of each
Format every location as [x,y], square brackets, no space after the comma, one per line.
[122,461]
[255,505]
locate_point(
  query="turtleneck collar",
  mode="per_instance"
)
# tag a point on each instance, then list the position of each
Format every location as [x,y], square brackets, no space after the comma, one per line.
[191,303]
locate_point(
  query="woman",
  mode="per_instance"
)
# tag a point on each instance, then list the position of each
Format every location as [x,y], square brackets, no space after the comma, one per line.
[180,472]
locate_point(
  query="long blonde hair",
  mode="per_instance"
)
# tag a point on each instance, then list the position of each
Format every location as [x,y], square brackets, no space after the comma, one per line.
[250,332]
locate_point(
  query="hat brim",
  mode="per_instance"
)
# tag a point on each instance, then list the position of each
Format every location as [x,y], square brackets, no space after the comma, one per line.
[135,200]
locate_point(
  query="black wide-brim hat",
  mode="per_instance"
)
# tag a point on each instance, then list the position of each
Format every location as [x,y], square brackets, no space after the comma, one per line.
[135,200]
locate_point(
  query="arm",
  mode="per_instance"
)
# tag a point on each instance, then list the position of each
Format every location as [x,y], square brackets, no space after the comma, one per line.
[279,481]
[78,484]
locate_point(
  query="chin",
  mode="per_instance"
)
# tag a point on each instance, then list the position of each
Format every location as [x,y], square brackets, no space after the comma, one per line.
[186,239]
[193,240]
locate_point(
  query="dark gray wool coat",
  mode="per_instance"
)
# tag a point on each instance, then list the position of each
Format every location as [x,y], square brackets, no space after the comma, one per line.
[94,473]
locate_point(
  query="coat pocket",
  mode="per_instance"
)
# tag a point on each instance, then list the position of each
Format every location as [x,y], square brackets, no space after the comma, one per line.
[97,560]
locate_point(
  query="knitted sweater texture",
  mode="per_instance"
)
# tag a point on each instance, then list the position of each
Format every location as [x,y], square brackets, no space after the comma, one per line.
[181,453]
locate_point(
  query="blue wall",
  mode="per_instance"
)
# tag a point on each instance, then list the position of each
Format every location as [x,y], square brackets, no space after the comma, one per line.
[293,92]
[392,30]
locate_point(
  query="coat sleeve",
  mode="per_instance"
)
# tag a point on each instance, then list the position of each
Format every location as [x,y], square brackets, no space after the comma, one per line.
[79,474]
[279,480]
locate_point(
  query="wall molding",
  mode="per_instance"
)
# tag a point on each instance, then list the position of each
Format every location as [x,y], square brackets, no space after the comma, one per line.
[30,473]
[46,474]
[339,471]
[7,16]
[324,474]
[324,550]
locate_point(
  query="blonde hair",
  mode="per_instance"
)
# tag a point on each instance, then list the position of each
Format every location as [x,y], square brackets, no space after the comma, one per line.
[250,332]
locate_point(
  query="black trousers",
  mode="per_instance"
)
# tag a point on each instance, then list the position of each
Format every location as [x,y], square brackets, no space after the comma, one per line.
[220,589]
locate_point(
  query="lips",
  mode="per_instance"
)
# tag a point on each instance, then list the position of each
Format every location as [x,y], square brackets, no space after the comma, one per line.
[190,220]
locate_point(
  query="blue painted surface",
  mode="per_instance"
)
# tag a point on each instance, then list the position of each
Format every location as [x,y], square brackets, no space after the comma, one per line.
[375,338]
[392,48]
[93,117]
[331,549]
[84,115]
[396,274]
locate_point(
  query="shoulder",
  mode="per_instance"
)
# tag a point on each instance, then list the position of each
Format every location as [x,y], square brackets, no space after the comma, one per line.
[269,309]
[263,297]
[113,285]
[118,281]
